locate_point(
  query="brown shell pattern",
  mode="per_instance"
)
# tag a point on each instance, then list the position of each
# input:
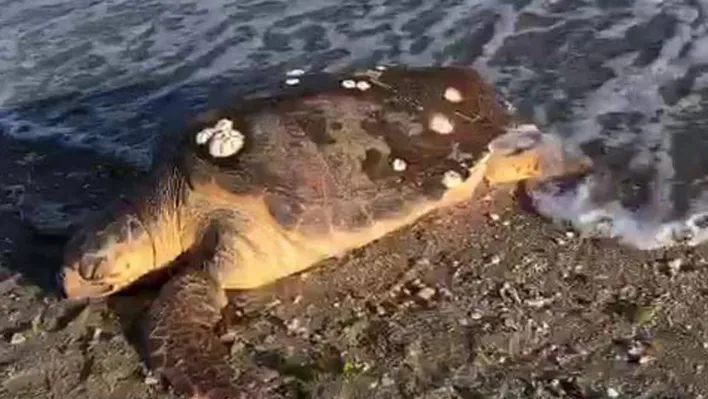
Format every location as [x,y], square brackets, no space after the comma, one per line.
[339,151]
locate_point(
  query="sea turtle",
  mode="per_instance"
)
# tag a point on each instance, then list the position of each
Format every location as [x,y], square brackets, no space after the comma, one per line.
[271,186]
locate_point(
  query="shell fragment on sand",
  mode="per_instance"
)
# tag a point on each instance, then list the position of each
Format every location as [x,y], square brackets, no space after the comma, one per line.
[223,139]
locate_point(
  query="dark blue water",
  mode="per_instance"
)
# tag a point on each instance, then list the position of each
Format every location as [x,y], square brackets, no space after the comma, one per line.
[621,80]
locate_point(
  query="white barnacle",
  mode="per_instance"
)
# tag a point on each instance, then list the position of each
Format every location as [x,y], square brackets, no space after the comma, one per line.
[223,139]
[207,133]
[399,165]
[451,179]
[453,95]
[363,85]
[226,143]
[348,84]
[292,81]
[295,72]
[441,124]
[204,135]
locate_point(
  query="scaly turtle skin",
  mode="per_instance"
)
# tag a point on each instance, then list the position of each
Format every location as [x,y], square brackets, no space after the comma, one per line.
[272,186]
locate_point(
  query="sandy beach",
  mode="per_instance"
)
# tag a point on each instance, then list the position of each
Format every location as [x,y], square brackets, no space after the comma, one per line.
[485,300]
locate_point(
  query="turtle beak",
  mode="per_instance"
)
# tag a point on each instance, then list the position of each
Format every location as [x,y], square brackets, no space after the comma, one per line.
[73,286]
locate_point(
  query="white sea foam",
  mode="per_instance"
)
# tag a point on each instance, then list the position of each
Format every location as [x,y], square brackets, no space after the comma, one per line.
[669,205]
[649,227]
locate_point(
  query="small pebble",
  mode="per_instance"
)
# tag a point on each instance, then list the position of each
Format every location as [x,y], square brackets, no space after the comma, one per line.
[495,217]
[9,283]
[17,338]
[228,336]
[646,359]
[387,381]
[611,392]
[292,81]
[293,325]
[494,260]
[97,334]
[538,303]
[675,265]
[151,380]
[237,347]
[426,293]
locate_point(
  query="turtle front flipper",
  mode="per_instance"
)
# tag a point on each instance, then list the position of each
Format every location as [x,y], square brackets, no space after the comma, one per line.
[181,344]
[179,330]
[525,153]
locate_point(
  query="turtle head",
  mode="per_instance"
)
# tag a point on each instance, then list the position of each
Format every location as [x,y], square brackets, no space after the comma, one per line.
[109,252]
[526,153]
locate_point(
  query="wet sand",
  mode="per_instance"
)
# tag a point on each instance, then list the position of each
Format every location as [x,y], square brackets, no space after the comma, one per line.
[483,300]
